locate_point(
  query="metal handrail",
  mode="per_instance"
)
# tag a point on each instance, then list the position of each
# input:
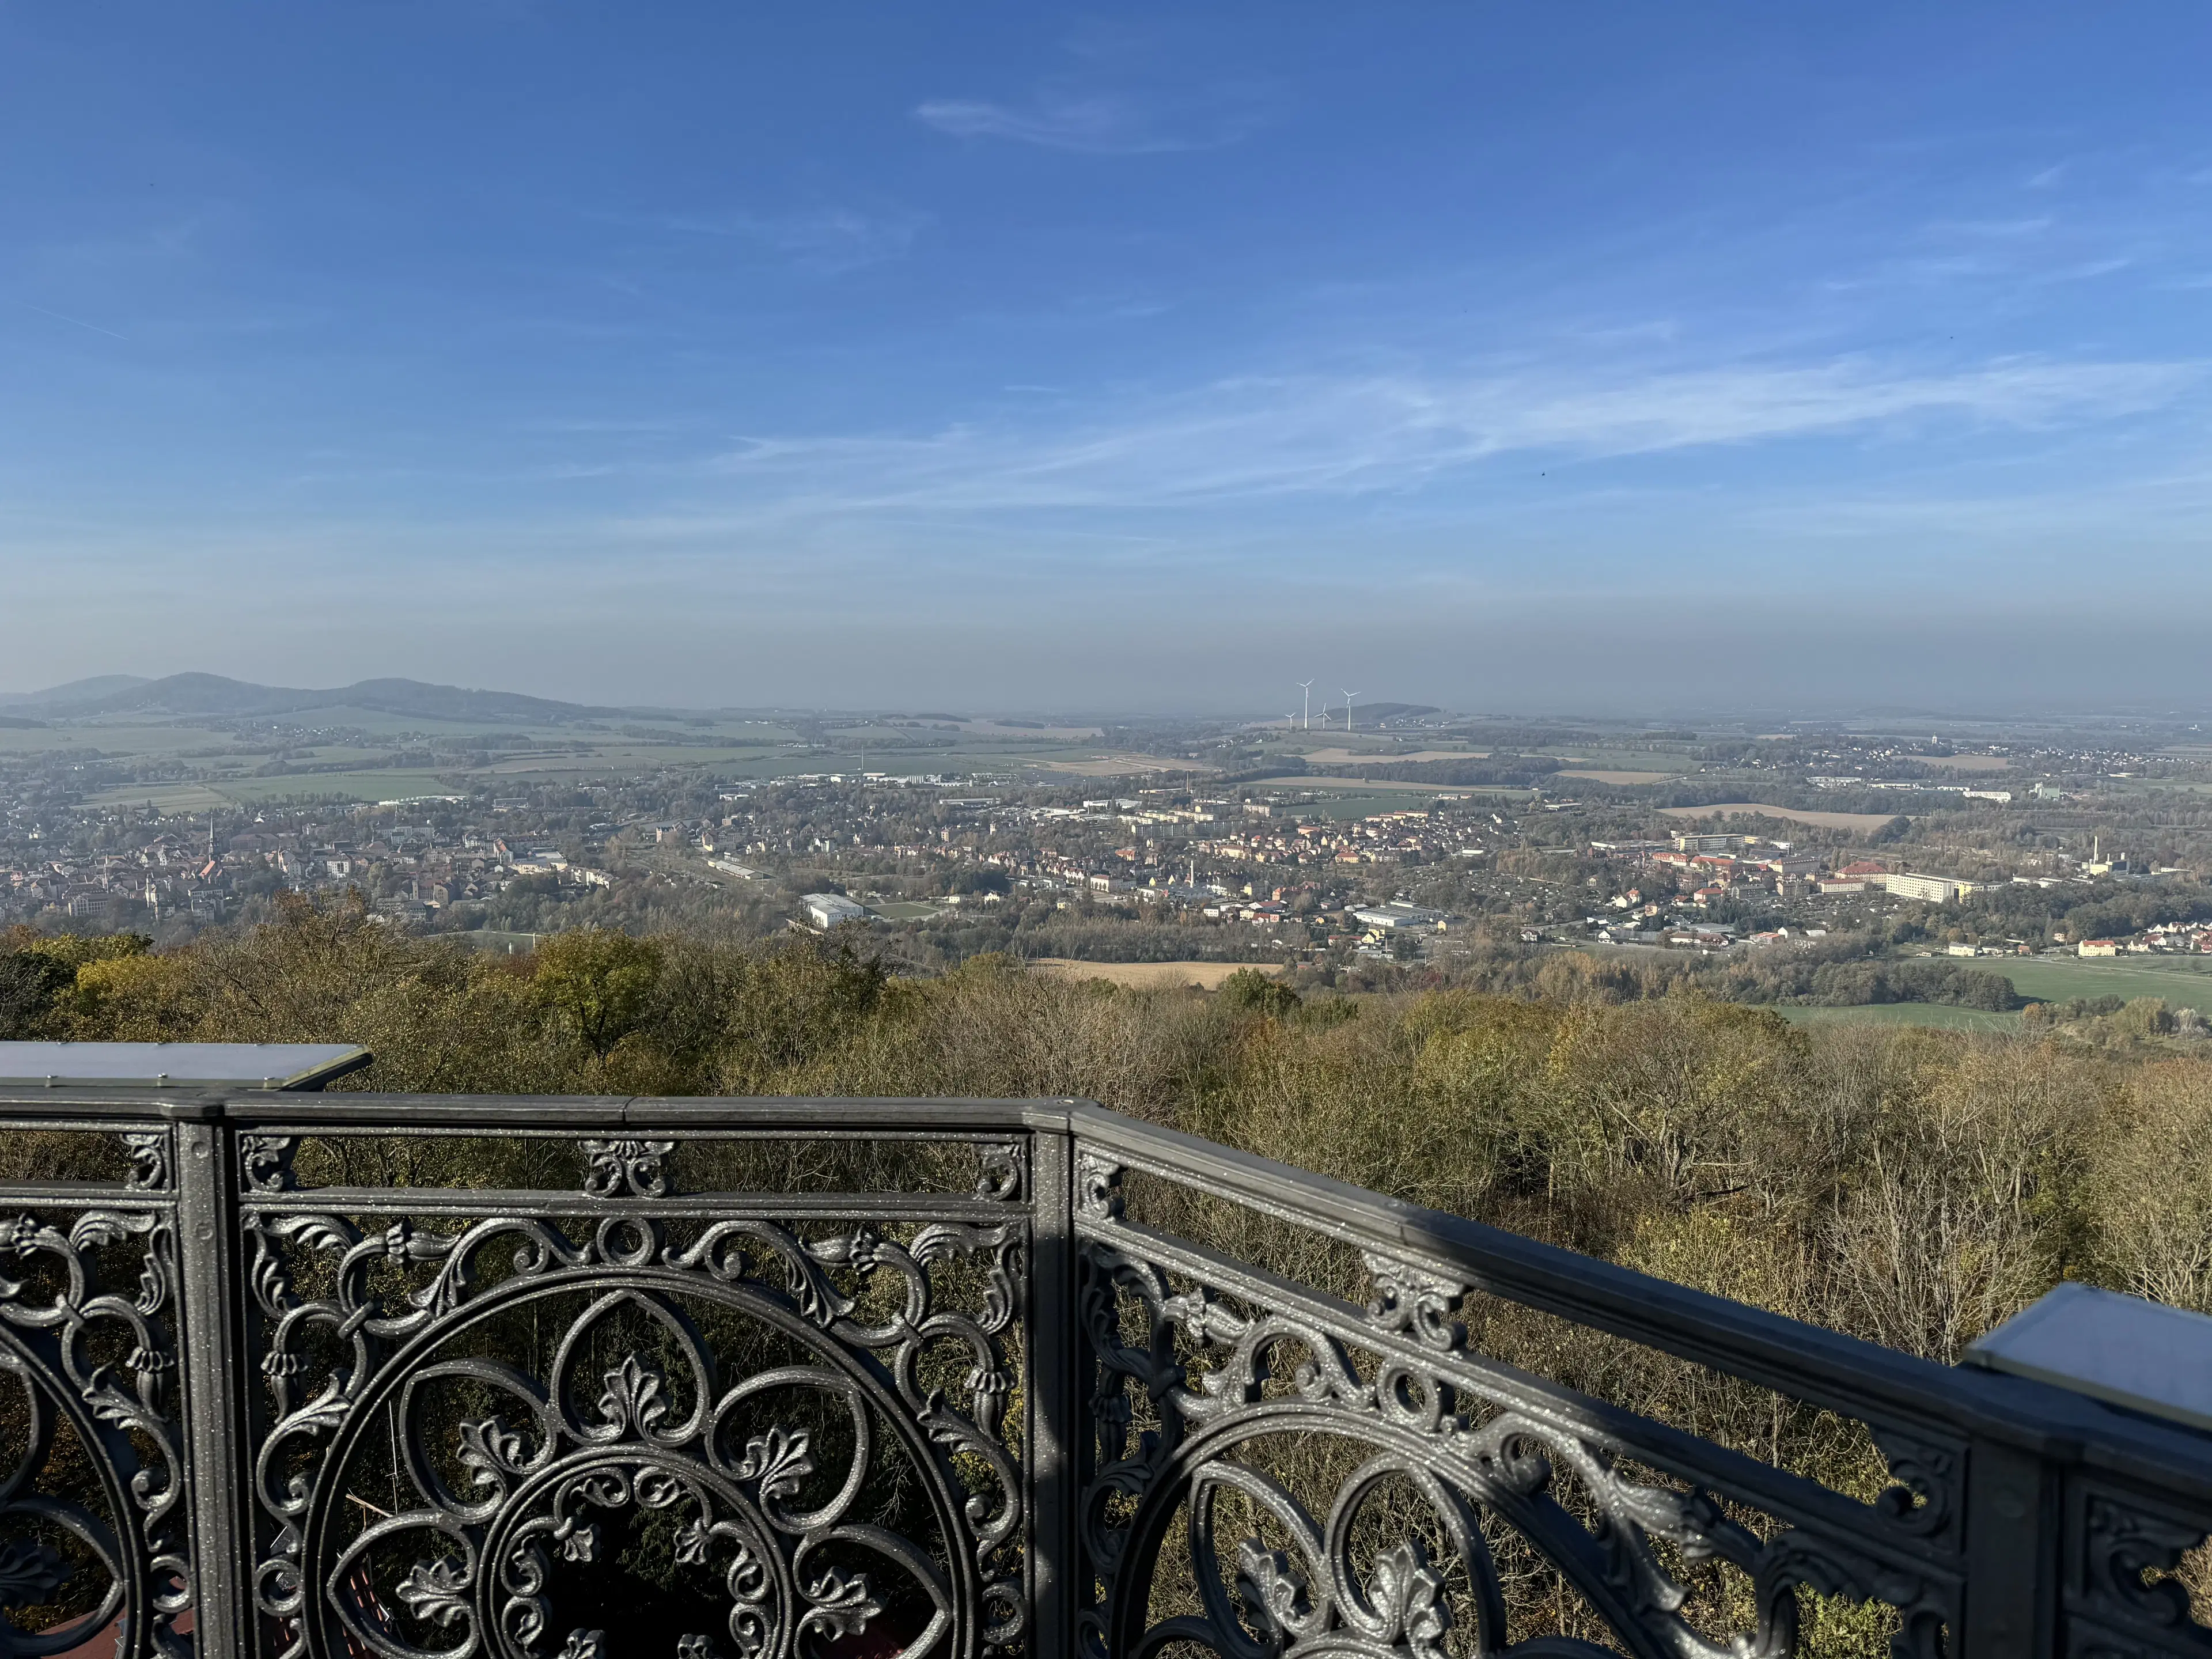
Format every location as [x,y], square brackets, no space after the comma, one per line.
[1815,1363]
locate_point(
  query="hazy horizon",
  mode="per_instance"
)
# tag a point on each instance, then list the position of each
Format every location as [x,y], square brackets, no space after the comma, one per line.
[1871,714]
[1048,359]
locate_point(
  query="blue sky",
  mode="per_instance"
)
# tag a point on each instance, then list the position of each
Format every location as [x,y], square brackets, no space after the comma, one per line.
[1496,355]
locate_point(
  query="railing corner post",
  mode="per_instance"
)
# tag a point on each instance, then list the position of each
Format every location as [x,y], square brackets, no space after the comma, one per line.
[2013,1520]
[216,1381]
[1055,1415]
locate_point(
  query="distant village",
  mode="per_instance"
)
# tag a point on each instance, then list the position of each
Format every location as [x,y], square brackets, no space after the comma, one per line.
[1280,868]
[1714,869]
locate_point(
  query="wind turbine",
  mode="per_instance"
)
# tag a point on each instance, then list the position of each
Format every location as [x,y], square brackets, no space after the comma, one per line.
[1348,696]
[1306,686]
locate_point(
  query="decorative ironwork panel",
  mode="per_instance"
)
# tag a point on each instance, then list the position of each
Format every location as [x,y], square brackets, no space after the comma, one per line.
[949,1381]
[1380,1473]
[94,1530]
[622,1423]
[2123,1594]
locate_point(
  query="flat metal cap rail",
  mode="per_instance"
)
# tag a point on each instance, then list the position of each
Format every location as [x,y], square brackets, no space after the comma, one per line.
[279,1066]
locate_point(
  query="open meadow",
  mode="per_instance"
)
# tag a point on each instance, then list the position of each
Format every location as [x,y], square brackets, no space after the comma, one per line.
[1665,762]
[221,792]
[193,764]
[154,739]
[2176,979]
[168,799]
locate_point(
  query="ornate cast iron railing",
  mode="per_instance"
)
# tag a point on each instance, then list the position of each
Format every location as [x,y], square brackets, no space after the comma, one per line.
[348,1373]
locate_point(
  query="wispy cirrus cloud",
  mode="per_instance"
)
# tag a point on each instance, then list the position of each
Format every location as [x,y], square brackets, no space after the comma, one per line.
[1261,437]
[1102,123]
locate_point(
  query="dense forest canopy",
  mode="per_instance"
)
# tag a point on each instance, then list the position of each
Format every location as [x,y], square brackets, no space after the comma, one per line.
[1573,1101]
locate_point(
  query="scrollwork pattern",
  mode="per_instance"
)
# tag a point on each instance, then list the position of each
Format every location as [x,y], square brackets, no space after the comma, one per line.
[1924,1500]
[1412,1299]
[149,1152]
[632,1169]
[266,1162]
[541,1494]
[1001,1173]
[548,1477]
[1221,1376]
[1097,1186]
[2125,1544]
[100,1361]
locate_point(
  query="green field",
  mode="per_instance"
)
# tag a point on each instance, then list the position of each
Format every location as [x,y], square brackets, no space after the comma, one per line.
[618,746]
[111,739]
[1905,1014]
[334,756]
[2174,978]
[376,722]
[627,756]
[169,800]
[1628,760]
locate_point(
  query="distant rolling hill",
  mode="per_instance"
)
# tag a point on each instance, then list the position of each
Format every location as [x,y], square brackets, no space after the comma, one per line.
[211,694]
[75,691]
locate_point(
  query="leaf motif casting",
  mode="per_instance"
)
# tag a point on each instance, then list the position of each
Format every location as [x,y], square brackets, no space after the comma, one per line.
[29,1573]
[776,1463]
[616,1168]
[1098,1186]
[1275,1590]
[633,1399]
[491,1452]
[437,1592]
[149,1152]
[266,1162]
[1405,1595]
[1000,1175]
[840,1605]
